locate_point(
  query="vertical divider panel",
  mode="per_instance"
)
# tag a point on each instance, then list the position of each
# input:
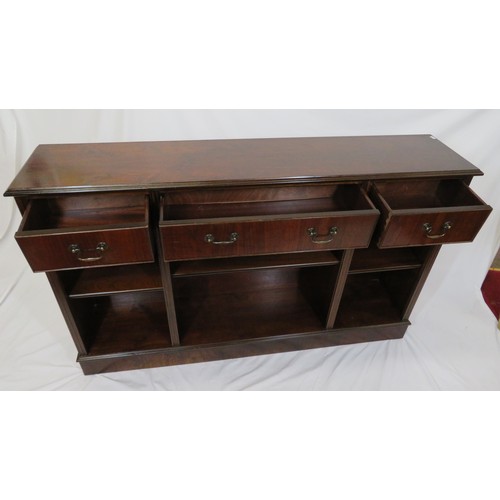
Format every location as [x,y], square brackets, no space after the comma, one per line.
[338,287]
[166,278]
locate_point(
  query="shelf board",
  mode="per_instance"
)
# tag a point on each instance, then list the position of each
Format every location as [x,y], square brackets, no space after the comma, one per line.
[93,282]
[373,259]
[128,323]
[213,352]
[234,315]
[366,301]
[214,266]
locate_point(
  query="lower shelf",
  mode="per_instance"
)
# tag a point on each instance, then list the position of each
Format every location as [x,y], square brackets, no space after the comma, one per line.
[92,364]
[237,316]
[247,305]
[228,314]
[127,322]
[375,298]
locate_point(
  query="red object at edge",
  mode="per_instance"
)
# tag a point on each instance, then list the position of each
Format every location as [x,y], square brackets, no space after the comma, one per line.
[491,291]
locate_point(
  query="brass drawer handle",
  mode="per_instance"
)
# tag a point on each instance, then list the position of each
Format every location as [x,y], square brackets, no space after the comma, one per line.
[209,238]
[99,249]
[428,230]
[315,237]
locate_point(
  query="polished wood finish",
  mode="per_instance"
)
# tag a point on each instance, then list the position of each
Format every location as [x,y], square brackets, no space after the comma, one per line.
[277,221]
[163,293]
[168,293]
[51,226]
[265,236]
[338,287]
[51,252]
[155,165]
[407,207]
[239,349]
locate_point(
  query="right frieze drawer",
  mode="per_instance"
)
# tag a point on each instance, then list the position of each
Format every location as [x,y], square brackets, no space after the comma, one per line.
[427,212]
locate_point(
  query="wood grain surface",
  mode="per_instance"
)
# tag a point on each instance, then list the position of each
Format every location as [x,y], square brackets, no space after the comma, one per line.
[147,165]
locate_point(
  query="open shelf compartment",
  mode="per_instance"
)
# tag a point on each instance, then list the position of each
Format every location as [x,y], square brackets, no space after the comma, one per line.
[217,308]
[122,323]
[375,298]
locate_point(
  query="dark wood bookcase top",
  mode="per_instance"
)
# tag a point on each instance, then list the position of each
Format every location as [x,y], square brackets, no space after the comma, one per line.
[163,253]
[60,168]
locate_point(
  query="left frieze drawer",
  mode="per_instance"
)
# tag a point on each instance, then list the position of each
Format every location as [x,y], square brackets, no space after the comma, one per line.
[86,230]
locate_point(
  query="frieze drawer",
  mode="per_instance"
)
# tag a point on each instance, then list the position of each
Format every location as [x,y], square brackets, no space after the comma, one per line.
[85,231]
[428,212]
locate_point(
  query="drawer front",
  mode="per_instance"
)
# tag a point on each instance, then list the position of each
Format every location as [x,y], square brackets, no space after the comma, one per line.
[427,212]
[184,240]
[71,250]
[432,228]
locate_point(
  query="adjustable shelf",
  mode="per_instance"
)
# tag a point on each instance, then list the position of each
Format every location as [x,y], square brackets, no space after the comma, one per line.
[216,266]
[110,280]
[372,259]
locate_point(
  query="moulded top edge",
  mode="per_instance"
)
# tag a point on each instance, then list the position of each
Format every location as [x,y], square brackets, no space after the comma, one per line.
[48,190]
[63,168]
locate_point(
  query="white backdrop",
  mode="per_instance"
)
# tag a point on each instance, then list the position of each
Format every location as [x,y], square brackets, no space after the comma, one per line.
[452,344]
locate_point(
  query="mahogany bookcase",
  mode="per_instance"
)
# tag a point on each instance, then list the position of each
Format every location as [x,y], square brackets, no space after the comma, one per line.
[163,253]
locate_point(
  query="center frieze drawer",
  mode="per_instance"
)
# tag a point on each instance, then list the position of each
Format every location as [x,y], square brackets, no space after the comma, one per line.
[236,222]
